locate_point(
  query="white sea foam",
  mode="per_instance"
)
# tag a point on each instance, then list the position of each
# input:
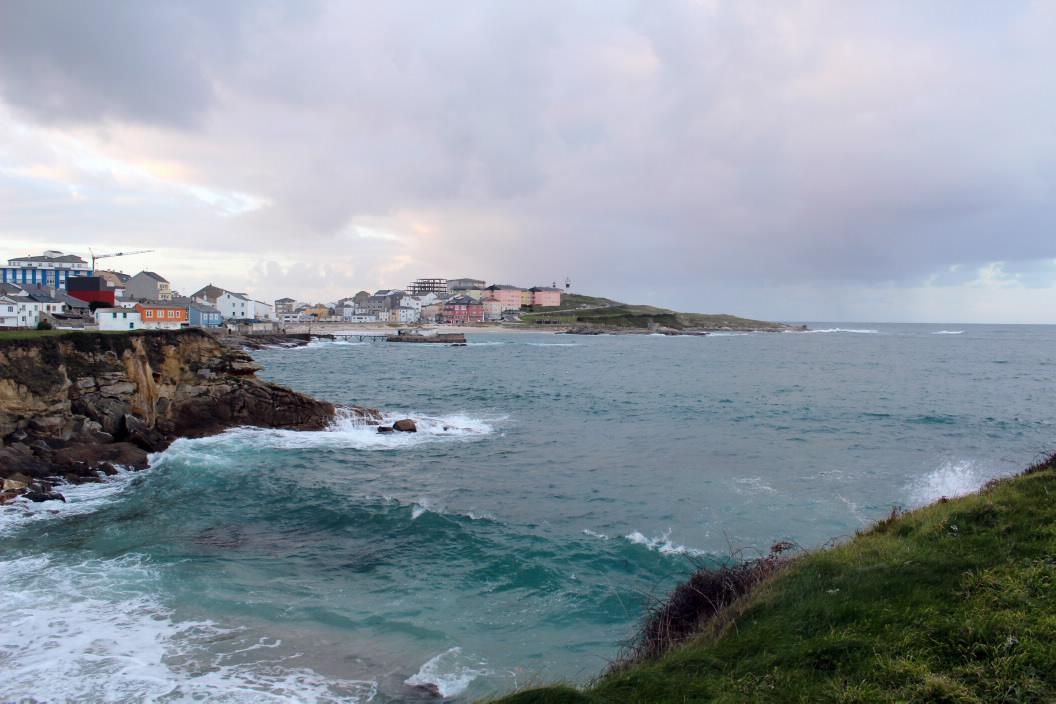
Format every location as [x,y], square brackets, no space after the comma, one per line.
[595,534]
[93,631]
[490,343]
[727,334]
[859,331]
[950,480]
[349,432]
[663,544]
[451,672]
[80,499]
[948,332]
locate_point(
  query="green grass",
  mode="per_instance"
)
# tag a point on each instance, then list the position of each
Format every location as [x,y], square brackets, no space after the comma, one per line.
[624,316]
[955,602]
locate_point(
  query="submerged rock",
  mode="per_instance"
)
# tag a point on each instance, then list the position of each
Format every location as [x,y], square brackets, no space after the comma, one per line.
[405,426]
[385,429]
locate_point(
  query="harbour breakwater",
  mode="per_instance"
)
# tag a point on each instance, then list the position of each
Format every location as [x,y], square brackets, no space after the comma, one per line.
[77,406]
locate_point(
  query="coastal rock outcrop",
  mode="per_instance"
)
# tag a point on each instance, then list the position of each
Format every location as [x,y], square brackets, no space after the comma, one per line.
[405,425]
[74,405]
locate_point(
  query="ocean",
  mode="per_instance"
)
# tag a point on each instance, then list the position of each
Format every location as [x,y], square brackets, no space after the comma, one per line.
[558,486]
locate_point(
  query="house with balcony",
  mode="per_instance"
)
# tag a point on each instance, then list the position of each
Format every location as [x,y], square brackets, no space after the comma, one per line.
[404,314]
[461,310]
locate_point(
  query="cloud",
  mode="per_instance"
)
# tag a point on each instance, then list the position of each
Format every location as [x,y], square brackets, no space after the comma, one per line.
[693,153]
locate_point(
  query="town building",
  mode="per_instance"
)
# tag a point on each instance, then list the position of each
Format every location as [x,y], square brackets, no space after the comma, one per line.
[53,268]
[404,314]
[208,294]
[118,319]
[263,311]
[202,315]
[431,313]
[9,312]
[546,296]
[460,310]
[148,286]
[420,287]
[508,296]
[492,309]
[463,285]
[162,315]
[526,298]
[116,280]
[91,289]
[233,306]
[284,305]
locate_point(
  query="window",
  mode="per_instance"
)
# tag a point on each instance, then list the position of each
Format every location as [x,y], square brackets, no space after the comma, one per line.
[115,316]
[131,326]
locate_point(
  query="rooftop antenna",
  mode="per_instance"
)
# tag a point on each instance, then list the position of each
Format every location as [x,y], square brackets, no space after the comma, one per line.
[115,254]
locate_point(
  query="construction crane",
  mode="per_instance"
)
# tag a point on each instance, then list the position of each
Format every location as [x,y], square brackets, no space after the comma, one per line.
[115,254]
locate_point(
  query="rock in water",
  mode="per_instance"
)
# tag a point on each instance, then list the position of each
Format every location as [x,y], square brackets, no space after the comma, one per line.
[405,426]
[384,428]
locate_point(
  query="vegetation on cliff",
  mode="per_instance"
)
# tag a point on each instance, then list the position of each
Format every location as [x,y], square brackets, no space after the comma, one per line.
[603,313]
[955,602]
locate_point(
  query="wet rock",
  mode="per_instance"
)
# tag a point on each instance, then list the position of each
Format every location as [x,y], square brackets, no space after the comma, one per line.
[12,484]
[385,429]
[405,426]
[116,453]
[41,496]
[429,689]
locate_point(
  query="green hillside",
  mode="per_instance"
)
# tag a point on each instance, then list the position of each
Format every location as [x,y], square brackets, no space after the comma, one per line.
[953,603]
[605,313]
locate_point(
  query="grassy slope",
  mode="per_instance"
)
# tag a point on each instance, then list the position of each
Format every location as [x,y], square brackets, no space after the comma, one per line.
[607,313]
[955,602]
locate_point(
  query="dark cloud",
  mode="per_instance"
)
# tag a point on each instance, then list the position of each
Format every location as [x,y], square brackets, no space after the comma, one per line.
[665,149]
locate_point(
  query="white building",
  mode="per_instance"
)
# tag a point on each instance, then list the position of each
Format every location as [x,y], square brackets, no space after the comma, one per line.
[263,311]
[404,314]
[19,311]
[234,306]
[9,314]
[118,319]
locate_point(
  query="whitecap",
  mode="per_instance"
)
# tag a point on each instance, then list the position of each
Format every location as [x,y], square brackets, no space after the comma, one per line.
[80,499]
[346,432]
[663,544]
[950,480]
[492,343]
[948,332]
[595,534]
[450,672]
[94,631]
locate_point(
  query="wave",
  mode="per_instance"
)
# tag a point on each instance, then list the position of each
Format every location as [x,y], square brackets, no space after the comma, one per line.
[100,635]
[552,344]
[950,480]
[491,343]
[423,506]
[595,534]
[663,544]
[450,673]
[346,432]
[80,499]
[727,334]
[948,332]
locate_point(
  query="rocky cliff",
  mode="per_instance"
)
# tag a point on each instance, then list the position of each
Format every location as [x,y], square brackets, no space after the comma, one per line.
[75,405]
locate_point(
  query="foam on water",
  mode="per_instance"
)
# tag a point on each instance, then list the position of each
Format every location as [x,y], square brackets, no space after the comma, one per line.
[80,499]
[948,332]
[93,631]
[950,480]
[663,544]
[859,331]
[348,432]
[451,672]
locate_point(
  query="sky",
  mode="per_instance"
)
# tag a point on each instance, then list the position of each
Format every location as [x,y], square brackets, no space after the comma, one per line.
[786,160]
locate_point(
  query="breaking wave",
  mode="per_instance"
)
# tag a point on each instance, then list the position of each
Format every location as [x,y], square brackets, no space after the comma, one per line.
[858,331]
[450,673]
[80,499]
[93,632]
[950,480]
[663,544]
[948,332]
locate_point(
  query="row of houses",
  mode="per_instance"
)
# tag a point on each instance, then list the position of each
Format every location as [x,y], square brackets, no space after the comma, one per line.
[425,301]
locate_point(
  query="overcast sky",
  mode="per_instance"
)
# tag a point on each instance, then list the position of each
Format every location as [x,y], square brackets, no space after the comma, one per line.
[837,160]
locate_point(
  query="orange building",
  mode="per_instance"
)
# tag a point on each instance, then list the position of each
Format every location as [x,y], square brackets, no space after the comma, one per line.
[163,316]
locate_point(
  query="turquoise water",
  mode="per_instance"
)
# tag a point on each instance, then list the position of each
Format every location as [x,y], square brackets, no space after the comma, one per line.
[560,483]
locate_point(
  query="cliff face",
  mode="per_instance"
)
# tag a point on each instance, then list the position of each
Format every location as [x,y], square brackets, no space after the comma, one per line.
[72,405]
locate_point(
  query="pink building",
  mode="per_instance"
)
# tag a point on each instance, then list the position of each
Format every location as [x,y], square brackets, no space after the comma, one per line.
[545,296]
[507,296]
[463,309]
